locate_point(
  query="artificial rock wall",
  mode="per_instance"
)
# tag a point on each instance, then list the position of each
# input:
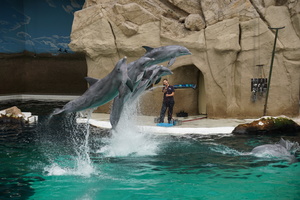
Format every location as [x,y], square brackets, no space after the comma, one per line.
[227,38]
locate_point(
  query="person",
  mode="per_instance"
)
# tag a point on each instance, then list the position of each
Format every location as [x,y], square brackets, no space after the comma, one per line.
[168,101]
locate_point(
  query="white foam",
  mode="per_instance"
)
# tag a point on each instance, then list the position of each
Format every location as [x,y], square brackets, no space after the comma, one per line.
[127,139]
[226,150]
[82,168]
[127,143]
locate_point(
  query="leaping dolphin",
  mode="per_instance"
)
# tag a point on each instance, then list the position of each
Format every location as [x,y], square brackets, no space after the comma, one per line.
[152,75]
[166,53]
[101,91]
[136,69]
[135,72]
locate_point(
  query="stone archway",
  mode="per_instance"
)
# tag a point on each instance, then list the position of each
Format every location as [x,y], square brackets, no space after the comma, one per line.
[192,101]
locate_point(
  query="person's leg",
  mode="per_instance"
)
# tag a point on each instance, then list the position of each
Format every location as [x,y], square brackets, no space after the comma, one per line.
[162,112]
[170,110]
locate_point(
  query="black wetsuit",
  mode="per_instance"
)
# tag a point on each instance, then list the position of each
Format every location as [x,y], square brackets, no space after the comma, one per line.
[168,102]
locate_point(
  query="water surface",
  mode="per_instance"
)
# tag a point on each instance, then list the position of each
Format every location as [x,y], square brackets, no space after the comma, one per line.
[59,159]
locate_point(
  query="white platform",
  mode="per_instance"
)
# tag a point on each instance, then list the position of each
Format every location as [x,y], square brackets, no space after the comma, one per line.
[176,130]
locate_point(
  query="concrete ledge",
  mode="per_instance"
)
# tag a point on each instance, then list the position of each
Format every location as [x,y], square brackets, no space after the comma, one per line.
[192,126]
[37,97]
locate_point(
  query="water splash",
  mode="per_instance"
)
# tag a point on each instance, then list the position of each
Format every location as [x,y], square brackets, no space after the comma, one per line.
[126,140]
[78,167]
[77,144]
[129,143]
[225,150]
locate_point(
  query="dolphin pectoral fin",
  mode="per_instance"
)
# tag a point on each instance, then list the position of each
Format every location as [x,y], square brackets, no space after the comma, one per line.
[171,62]
[91,80]
[148,49]
[139,77]
[129,84]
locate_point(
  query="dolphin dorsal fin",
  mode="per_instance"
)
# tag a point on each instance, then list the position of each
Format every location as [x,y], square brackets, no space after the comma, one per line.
[148,49]
[91,80]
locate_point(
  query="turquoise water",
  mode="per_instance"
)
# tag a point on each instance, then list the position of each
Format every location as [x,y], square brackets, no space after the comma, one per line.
[60,159]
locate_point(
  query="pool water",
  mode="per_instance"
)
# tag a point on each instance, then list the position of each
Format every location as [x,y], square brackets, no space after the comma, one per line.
[60,159]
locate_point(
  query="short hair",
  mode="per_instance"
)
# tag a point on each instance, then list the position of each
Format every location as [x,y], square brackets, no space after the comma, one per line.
[165,79]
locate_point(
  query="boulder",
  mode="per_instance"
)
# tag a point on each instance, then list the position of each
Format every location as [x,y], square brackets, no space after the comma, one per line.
[191,6]
[219,10]
[14,115]
[13,120]
[268,126]
[194,22]
[13,111]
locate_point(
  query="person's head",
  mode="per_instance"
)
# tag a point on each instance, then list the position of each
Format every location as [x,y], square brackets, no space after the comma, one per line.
[165,82]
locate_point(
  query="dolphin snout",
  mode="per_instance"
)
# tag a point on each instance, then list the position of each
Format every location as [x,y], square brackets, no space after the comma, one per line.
[124,59]
[184,51]
[188,52]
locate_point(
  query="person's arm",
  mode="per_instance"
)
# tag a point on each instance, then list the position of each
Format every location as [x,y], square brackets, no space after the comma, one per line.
[170,95]
[173,92]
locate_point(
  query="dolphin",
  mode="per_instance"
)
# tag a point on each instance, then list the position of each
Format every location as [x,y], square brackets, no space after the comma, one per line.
[135,72]
[101,91]
[165,53]
[152,75]
[284,149]
[136,69]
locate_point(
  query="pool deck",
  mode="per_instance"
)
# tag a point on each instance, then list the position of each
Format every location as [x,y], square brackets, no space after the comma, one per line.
[192,124]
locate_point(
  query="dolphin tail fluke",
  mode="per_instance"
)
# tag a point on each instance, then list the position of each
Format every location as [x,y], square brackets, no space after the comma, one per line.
[290,146]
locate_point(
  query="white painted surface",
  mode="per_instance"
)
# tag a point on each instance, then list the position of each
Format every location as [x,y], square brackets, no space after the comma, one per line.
[166,130]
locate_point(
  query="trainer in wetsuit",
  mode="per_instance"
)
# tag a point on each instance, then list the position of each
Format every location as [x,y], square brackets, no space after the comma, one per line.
[168,101]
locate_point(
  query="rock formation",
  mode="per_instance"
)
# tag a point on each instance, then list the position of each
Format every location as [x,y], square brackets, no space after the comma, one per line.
[14,115]
[228,39]
[268,126]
